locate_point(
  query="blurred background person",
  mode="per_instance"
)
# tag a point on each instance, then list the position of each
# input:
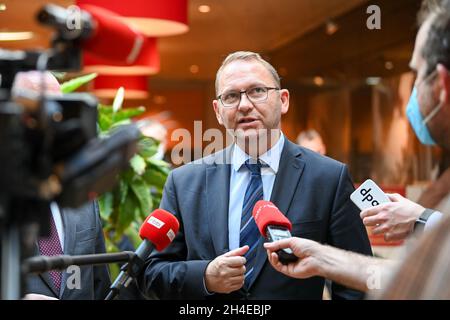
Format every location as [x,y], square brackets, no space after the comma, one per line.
[312,140]
[428,112]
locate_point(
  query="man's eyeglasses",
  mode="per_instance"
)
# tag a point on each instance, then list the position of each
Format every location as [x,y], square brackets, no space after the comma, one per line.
[232,99]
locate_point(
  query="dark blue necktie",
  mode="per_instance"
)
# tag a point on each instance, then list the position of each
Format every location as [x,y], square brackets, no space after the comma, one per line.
[249,234]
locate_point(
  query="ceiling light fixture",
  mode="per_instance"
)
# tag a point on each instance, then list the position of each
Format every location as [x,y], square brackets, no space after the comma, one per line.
[194,69]
[389,65]
[331,27]
[16,35]
[373,81]
[204,8]
[318,81]
[154,18]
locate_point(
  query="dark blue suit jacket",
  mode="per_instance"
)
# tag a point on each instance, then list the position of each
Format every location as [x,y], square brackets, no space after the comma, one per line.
[311,190]
[83,234]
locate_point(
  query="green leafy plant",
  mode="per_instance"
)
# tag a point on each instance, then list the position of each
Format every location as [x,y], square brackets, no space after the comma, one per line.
[74,84]
[139,188]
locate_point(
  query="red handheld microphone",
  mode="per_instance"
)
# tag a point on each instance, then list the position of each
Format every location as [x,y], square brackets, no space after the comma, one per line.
[159,228]
[157,231]
[273,226]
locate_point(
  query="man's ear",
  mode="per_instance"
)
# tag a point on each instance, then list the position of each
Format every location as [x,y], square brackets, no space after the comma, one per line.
[444,82]
[284,96]
[216,110]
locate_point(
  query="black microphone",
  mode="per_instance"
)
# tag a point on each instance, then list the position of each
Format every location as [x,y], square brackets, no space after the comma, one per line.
[63,19]
[40,264]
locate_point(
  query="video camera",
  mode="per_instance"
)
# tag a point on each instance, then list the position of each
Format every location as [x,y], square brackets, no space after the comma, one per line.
[49,149]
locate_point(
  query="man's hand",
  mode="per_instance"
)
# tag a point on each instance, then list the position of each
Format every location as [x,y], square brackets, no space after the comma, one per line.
[393,219]
[225,273]
[35,296]
[305,267]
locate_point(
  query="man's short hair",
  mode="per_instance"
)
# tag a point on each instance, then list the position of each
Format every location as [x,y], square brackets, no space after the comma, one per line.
[310,134]
[428,7]
[247,56]
[436,49]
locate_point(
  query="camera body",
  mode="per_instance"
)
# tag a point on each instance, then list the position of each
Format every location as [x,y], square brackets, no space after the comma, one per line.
[49,148]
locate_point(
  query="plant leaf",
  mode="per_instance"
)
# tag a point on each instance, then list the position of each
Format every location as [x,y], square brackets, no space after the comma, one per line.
[123,190]
[138,164]
[156,197]
[147,147]
[154,178]
[128,210]
[104,121]
[142,192]
[74,84]
[105,204]
[114,268]
[127,113]
[159,165]
[105,109]
[133,234]
[118,99]
[120,123]
[59,75]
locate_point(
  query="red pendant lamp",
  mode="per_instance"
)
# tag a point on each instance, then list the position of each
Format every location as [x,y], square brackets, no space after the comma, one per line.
[147,63]
[154,18]
[105,86]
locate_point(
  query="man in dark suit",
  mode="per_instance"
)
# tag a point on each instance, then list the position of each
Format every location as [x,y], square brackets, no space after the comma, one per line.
[218,252]
[72,231]
[82,234]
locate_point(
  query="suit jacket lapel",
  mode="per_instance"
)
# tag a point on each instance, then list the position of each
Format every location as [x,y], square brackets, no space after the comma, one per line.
[70,228]
[288,176]
[45,277]
[217,200]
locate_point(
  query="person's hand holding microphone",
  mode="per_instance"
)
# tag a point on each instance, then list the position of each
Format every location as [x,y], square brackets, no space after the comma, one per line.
[307,265]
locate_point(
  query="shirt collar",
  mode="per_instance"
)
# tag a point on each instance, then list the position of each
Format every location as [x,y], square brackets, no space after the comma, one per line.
[271,157]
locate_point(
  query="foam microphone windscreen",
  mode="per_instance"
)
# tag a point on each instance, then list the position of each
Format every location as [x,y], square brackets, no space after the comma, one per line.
[113,39]
[266,213]
[159,228]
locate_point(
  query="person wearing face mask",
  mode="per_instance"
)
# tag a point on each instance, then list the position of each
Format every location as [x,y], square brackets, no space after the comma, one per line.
[424,271]
[428,113]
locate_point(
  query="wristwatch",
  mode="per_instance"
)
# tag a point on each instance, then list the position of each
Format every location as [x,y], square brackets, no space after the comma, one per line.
[419,225]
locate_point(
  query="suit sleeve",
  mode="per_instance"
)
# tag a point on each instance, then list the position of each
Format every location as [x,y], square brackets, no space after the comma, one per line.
[102,279]
[167,274]
[347,230]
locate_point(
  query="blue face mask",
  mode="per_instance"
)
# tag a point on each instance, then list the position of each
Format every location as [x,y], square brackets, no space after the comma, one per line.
[417,121]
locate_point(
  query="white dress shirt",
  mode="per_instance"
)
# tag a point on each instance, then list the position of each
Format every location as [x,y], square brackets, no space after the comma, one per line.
[56,213]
